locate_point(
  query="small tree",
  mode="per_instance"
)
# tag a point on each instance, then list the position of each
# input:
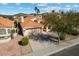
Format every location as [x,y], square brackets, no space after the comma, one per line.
[56,24]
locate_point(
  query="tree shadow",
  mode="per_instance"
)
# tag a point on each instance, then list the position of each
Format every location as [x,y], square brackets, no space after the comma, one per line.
[43,37]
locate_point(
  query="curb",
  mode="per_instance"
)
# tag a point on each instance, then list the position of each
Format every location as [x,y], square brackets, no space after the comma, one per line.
[55,51]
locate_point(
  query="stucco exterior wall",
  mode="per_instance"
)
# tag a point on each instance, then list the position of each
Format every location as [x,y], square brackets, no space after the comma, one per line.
[27,32]
[6,32]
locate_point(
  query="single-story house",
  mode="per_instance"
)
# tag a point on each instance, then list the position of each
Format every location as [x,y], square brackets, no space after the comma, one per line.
[30,26]
[5,27]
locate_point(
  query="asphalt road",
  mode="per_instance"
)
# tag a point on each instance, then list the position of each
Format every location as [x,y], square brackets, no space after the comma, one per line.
[72,51]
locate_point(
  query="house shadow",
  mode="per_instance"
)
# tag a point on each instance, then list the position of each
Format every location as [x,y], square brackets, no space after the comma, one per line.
[43,37]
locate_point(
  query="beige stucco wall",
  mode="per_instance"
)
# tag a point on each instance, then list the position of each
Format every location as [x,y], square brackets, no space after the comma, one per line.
[5,40]
[29,31]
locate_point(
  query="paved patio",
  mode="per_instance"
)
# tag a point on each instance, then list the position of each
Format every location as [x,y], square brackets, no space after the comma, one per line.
[10,48]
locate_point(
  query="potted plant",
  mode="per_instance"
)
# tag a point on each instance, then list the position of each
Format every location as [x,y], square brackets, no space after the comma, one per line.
[13,32]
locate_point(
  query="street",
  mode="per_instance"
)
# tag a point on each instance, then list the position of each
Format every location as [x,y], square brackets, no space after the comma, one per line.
[72,51]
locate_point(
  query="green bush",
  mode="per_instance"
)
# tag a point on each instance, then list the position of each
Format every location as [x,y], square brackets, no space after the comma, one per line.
[62,36]
[13,30]
[24,41]
[73,32]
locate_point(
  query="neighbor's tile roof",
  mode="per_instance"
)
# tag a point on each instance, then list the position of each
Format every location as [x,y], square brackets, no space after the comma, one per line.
[4,22]
[28,23]
[32,17]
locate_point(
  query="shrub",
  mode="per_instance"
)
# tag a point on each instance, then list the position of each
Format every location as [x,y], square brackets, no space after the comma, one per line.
[24,41]
[13,30]
[62,36]
[73,32]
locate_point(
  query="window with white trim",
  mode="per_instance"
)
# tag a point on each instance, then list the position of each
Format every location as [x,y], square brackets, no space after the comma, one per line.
[2,31]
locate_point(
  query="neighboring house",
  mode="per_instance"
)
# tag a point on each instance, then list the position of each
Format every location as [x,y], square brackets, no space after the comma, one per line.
[37,18]
[5,27]
[30,26]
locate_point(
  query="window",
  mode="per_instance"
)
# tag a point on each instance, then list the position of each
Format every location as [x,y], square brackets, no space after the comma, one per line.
[2,31]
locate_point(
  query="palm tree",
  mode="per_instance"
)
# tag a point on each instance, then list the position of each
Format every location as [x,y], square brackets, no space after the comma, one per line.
[37,10]
[53,11]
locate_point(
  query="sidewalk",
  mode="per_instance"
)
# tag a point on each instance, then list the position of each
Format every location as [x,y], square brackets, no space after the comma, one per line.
[53,48]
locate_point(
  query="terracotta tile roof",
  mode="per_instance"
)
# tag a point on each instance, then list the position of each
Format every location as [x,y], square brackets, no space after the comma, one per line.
[30,17]
[33,17]
[4,22]
[28,23]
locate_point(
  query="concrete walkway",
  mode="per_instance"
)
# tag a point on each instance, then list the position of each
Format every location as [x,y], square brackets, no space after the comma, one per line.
[45,49]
